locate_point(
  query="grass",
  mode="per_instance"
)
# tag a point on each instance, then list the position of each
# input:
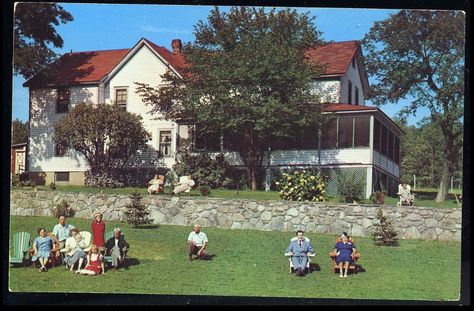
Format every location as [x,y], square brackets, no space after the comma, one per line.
[251,263]
[420,200]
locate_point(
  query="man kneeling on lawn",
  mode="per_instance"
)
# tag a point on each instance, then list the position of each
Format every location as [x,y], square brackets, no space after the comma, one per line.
[197,242]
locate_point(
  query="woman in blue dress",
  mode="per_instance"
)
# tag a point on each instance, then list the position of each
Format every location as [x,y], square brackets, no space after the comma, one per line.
[344,250]
[42,246]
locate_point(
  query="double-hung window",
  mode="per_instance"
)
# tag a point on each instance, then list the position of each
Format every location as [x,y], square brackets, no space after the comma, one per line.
[62,104]
[121,98]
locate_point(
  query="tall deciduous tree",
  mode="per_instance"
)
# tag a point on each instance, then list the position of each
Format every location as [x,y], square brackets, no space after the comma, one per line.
[20,131]
[106,135]
[247,77]
[35,35]
[420,54]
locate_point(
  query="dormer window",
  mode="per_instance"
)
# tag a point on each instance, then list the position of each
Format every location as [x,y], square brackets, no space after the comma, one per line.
[62,105]
[349,92]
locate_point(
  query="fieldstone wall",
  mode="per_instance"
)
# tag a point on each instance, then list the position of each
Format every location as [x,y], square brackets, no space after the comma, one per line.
[411,222]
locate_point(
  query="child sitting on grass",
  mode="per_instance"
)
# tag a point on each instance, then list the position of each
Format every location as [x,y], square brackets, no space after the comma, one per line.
[95,263]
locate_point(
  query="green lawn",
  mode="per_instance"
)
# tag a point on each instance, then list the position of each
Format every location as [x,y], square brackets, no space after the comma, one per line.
[234,194]
[251,263]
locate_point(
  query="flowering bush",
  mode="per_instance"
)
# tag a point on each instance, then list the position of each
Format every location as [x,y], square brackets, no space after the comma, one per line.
[302,186]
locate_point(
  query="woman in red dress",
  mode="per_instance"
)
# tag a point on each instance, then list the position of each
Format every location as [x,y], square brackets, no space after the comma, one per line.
[98,230]
[95,263]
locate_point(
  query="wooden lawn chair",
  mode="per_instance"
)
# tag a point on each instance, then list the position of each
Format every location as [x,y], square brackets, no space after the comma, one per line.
[355,257]
[21,246]
[308,264]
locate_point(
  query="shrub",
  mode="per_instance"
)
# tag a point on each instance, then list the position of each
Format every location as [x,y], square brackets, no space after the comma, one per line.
[63,209]
[105,180]
[203,169]
[171,180]
[302,186]
[205,190]
[52,185]
[384,233]
[377,197]
[350,188]
[137,213]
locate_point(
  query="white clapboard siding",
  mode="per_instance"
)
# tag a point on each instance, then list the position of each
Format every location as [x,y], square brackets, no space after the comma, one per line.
[43,117]
[353,75]
[386,164]
[144,67]
[310,157]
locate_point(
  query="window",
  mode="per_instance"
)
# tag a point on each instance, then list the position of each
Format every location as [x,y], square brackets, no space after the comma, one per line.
[361,133]
[384,141]
[59,151]
[329,135]
[390,146]
[121,98]
[349,92]
[165,143]
[61,176]
[397,150]
[345,132]
[377,133]
[356,95]
[62,105]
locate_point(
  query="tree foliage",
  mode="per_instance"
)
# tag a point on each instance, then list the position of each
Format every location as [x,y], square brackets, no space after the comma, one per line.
[105,135]
[384,233]
[137,213]
[35,35]
[420,55]
[246,76]
[20,131]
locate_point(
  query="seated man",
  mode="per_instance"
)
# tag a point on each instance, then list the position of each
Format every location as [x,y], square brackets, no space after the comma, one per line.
[156,184]
[185,185]
[197,242]
[116,247]
[406,198]
[299,250]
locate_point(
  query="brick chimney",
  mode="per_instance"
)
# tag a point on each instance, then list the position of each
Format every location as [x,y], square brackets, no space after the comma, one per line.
[176,45]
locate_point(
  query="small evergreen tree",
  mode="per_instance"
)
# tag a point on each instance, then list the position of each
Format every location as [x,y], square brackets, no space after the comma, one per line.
[384,234]
[136,211]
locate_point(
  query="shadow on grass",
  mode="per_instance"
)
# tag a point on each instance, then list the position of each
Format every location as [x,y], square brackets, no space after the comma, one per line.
[130,261]
[314,267]
[358,269]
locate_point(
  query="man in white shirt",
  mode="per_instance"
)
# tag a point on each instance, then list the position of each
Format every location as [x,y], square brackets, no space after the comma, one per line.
[197,242]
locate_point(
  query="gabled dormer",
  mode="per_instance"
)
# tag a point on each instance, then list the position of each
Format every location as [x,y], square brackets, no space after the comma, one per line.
[344,79]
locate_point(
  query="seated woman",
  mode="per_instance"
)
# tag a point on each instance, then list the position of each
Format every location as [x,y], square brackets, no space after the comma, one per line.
[185,184]
[42,246]
[156,184]
[406,197]
[95,263]
[344,250]
[74,250]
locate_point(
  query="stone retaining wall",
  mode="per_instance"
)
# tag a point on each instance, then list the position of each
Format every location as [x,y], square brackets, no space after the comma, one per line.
[411,222]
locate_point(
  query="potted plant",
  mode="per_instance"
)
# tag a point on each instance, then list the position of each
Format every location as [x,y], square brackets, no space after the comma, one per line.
[378,197]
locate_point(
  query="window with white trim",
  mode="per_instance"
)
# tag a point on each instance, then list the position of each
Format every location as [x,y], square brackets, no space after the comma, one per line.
[121,98]
[61,176]
[62,104]
[165,143]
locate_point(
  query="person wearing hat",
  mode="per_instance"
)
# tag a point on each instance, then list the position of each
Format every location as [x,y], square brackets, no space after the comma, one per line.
[98,230]
[344,250]
[74,250]
[116,247]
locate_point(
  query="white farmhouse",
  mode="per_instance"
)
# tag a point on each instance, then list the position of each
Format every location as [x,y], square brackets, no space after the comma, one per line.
[360,138]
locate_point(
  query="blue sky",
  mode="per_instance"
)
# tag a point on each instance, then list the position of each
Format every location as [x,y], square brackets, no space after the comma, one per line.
[118,26]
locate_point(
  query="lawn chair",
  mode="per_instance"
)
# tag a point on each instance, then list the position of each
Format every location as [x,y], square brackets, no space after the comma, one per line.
[184,185]
[87,238]
[355,257]
[108,235]
[308,264]
[405,196]
[21,245]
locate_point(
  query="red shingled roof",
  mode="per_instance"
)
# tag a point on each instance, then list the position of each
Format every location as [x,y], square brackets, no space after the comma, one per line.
[336,57]
[79,68]
[91,67]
